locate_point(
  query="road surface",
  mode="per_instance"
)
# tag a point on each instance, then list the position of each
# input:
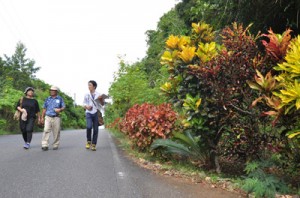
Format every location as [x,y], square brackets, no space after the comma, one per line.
[72,171]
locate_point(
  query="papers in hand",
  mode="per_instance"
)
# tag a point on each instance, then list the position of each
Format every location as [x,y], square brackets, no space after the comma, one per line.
[100,102]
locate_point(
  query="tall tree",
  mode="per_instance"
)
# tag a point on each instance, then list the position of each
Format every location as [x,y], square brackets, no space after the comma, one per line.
[20,68]
[2,76]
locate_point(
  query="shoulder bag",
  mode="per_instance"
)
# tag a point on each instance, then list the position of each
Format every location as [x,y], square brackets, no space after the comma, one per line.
[17,114]
[99,114]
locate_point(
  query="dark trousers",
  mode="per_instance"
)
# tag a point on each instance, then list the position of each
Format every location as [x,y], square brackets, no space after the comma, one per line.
[27,129]
[92,123]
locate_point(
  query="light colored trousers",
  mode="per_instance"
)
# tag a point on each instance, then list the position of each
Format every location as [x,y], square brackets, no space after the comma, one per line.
[52,124]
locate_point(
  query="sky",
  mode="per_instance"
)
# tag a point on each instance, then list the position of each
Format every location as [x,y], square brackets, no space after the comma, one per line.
[74,41]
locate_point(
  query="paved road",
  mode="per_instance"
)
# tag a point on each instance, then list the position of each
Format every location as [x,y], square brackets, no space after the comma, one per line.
[72,171]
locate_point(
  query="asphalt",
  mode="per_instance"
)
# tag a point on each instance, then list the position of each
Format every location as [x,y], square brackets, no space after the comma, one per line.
[73,171]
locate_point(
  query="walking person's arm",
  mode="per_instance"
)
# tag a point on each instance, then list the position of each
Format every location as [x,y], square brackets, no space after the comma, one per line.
[43,116]
[37,111]
[19,106]
[39,117]
[58,110]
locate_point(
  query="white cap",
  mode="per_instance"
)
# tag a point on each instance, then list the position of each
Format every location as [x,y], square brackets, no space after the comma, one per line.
[54,88]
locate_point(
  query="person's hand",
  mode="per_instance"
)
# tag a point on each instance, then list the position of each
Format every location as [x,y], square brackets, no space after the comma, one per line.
[41,120]
[23,110]
[57,110]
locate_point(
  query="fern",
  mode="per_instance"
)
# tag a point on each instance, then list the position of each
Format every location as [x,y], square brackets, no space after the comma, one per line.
[260,183]
[251,167]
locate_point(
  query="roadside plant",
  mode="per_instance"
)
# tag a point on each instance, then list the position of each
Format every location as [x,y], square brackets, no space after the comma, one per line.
[278,97]
[219,74]
[277,45]
[261,182]
[146,122]
[184,145]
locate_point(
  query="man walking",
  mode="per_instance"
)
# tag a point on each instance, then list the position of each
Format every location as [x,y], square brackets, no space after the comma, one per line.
[91,105]
[52,108]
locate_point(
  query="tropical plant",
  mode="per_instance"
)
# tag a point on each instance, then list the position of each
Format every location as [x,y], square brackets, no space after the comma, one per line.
[146,122]
[261,183]
[219,79]
[289,92]
[184,145]
[278,97]
[278,44]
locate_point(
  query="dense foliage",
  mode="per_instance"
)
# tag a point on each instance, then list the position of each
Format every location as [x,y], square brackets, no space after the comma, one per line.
[278,14]
[236,89]
[18,72]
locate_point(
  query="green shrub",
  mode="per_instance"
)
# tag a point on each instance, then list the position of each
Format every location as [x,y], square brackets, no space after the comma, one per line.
[261,183]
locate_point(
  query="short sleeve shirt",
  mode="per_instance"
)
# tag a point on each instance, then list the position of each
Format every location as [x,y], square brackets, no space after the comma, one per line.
[53,103]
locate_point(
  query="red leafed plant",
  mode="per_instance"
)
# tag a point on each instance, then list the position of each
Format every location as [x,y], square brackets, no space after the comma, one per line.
[278,44]
[145,123]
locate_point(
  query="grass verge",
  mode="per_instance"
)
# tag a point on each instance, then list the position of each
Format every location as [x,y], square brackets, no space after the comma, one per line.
[4,132]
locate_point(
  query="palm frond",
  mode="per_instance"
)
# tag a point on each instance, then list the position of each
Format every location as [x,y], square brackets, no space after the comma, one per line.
[171,147]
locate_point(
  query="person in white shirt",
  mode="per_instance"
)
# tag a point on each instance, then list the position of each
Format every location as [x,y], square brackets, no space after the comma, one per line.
[91,104]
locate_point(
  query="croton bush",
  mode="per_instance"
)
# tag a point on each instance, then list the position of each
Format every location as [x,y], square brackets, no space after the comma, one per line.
[199,67]
[221,78]
[146,122]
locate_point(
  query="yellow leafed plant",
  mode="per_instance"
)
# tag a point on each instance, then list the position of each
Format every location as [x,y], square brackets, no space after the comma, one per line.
[207,51]
[203,32]
[172,42]
[290,96]
[289,78]
[192,103]
[187,54]
[167,87]
[169,58]
[292,64]
[183,42]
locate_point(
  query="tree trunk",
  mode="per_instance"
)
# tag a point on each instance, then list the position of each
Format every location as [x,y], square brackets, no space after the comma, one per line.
[214,160]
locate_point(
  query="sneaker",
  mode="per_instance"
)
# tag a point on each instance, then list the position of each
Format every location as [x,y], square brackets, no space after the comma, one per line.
[88,145]
[45,148]
[55,148]
[26,146]
[93,147]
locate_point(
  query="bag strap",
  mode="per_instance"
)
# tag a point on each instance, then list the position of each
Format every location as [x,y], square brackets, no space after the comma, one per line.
[93,101]
[21,101]
[95,105]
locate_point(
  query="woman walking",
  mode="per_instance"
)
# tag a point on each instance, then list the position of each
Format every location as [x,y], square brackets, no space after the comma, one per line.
[91,105]
[30,110]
